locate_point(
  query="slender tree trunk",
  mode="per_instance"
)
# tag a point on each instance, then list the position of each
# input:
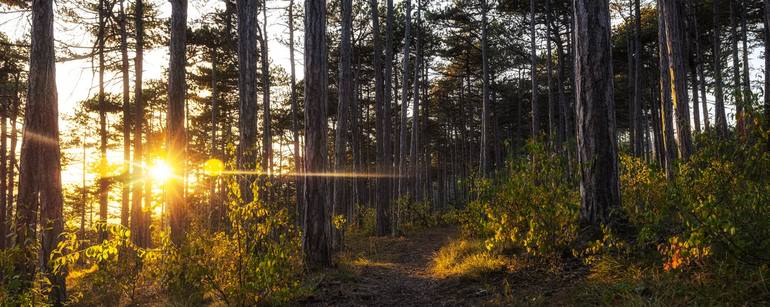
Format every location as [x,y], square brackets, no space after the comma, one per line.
[12,153]
[40,171]
[549,74]
[766,20]
[701,77]
[675,41]
[177,138]
[294,118]
[267,138]
[3,170]
[103,184]
[720,118]
[247,93]
[341,184]
[387,188]
[315,238]
[402,141]
[484,155]
[125,197]
[214,207]
[737,89]
[415,171]
[694,64]
[533,71]
[139,225]
[597,148]
[562,100]
[747,94]
[636,105]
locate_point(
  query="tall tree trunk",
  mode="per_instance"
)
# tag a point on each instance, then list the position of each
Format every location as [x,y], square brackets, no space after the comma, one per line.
[40,170]
[267,138]
[549,75]
[139,225]
[666,105]
[675,41]
[402,141]
[720,118]
[315,241]
[766,20]
[382,216]
[247,94]
[294,118]
[341,184]
[533,70]
[103,184]
[636,105]
[701,74]
[747,94]
[14,114]
[737,89]
[214,203]
[125,198]
[415,171]
[561,100]
[177,138]
[484,155]
[694,65]
[3,170]
[597,148]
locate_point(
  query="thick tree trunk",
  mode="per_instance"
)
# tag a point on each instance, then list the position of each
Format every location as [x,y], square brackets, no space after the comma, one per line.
[125,198]
[675,41]
[720,118]
[40,170]
[177,138]
[666,105]
[341,184]
[533,71]
[597,148]
[315,241]
[382,215]
[247,94]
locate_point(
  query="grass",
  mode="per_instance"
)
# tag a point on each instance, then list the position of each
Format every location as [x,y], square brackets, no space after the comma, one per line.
[465,258]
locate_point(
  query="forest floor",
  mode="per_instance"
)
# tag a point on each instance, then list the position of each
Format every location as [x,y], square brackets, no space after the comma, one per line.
[400,271]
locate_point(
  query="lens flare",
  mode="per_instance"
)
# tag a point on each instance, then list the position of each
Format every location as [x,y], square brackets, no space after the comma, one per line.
[161,171]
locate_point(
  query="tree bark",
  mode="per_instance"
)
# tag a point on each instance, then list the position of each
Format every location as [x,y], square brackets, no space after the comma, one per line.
[666,105]
[40,170]
[402,151]
[636,105]
[294,118]
[125,196]
[382,216]
[720,119]
[675,41]
[414,155]
[341,184]
[484,155]
[3,170]
[177,138]
[315,238]
[247,94]
[597,148]
[737,89]
[103,184]
[533,71]
[139,225]
[267,138]
[766,20]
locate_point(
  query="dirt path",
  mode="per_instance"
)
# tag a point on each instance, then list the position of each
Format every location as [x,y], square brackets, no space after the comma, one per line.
[393,272]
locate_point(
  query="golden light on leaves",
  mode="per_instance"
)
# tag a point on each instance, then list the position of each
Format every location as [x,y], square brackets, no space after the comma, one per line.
[214,167]
[160,171]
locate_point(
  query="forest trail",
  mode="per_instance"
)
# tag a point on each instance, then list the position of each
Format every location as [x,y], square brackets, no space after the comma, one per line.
[395,271]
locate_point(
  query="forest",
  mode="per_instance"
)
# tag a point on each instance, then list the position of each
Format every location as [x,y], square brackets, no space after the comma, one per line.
[384,153]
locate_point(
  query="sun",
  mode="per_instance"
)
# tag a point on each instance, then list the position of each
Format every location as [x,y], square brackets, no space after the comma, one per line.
[160,171]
